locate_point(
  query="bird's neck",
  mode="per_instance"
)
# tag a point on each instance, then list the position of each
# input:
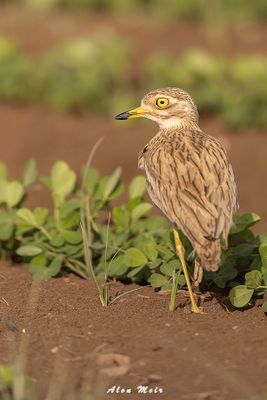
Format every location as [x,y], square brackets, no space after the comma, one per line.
[178,123]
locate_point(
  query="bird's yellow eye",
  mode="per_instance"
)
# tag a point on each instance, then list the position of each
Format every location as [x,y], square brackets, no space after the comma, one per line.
[162,102]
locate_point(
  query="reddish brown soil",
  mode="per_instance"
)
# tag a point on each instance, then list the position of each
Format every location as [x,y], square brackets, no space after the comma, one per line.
[68,339]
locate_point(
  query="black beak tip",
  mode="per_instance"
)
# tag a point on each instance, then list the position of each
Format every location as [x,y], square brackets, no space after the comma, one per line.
[122,116]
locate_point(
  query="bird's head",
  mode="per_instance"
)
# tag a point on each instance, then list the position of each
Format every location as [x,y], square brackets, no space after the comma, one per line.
[169,107]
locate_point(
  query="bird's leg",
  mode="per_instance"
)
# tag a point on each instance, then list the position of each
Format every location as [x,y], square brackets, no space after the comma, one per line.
[180,253]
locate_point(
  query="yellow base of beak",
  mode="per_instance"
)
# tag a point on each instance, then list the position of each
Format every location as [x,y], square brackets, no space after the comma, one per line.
[135,113]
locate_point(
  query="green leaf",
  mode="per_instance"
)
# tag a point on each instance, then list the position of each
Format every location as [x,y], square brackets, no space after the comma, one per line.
[62,178]
[71,249]
[134,272]
[253,279]
[30,173]
[264,307]
[43,272]
[140,210]
[6,225]
[29,251]
[72,237]
[3,171]
[117,191]
[7,377]
[167,268]
[149,247]
[157,280]
[137,187]
[151,224]
[38,261]
[134,257]
[3,187]
[243,250]
[167,287]
[14,193]
[27,216]
[111,184]
[40,215]
[91,179]
[120,217]
[240,295]
[117,266]
[55,265]
[262,238]
[243,221]
[57,240]
[263,254]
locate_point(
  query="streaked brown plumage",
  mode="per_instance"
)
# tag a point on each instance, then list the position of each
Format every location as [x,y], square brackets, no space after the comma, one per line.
[188,174]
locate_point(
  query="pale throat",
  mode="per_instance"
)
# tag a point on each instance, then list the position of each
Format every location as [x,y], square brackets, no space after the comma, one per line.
[174,122]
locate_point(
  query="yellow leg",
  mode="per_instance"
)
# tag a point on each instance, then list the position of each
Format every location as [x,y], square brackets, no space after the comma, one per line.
[180,253]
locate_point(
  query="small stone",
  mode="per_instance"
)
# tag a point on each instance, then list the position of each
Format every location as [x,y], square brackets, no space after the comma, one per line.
[235,327]
[54,350]
[154,378]
[168,325]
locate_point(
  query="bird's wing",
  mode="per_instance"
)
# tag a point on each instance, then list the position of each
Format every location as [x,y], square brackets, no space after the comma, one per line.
[193,186]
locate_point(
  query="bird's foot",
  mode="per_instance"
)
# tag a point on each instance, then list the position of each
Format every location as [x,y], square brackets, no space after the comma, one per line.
[196,309]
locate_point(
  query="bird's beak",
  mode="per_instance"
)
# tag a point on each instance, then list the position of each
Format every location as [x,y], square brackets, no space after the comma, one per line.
[135,113]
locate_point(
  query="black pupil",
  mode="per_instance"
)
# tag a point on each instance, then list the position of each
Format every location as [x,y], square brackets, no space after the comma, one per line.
[161,101]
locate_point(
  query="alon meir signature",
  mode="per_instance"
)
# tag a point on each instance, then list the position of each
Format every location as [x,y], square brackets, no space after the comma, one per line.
[141,389]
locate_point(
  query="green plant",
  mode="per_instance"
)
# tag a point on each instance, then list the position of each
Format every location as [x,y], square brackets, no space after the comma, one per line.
[255,280]
[12,194]
[13,383]
[78,74]
[15,71]
[82,73]
[86,234]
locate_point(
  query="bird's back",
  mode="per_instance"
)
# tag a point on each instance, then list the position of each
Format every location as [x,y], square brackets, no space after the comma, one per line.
[190,178]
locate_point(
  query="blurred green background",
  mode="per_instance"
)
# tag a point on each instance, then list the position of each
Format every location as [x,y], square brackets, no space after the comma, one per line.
[95,69]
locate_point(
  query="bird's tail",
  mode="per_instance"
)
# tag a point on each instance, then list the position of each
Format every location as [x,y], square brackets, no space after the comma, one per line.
[209,255]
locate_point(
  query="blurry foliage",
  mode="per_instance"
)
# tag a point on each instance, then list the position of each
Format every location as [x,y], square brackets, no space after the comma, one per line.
[14,383]
[80,74]
[234,88]
[94,75]
[133,246]
[191,9]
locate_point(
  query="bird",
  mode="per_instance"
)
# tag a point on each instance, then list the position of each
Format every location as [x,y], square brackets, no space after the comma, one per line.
[189,178]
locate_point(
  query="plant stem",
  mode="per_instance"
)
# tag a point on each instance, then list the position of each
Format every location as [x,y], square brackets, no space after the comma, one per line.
[89,264]
[175,280]
[173,290]
[106,291]
[76,270]
[128,292]
[44,231]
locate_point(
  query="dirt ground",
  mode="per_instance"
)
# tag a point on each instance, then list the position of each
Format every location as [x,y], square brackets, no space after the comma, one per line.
[72,343]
